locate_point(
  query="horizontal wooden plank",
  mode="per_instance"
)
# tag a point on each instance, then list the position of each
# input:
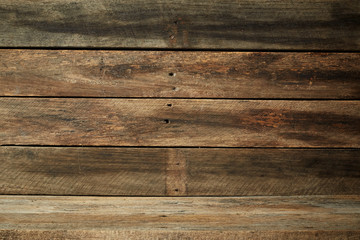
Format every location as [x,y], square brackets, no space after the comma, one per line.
[178,171]
[178,234]
[179,122]
[179,74]
[272,172]
[83,171]
[198,218]
[218,24]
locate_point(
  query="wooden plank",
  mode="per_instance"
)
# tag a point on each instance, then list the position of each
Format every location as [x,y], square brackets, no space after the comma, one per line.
[178,234]
[178,171]
[198,218]
[83,171]
[219,24]
[179,74]
[276,172]
[179,122]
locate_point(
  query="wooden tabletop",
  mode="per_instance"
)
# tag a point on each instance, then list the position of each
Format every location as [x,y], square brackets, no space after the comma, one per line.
[179,119]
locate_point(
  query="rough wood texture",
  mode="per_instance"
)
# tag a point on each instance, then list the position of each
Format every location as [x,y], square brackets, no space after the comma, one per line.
[219,24]
[178,234]
[272,171]
[178,171]
[159,122]
[199,218]
[82,171]
[179,74]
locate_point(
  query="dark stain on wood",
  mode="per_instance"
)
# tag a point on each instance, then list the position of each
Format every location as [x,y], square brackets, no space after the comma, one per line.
[117,144]
[282,172]
[331,25]
[191,74]
[178,171]
[148,122]
[260,119]
[84,171]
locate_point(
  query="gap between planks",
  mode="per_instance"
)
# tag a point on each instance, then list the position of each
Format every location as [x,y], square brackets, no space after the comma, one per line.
[188,98]
[176,147]
[176,49]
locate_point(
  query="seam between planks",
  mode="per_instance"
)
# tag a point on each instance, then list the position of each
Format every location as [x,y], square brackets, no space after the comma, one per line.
[182,196]
[187,98]
[182,49]
[180,147]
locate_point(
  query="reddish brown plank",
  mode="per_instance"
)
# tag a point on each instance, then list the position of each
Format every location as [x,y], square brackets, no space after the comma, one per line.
[178,171]
[37,217]
[179,74]
[176,234]
[175,122]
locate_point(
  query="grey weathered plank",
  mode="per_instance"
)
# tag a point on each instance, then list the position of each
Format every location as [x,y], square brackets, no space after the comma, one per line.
[39,217]
[179,74]
[179,122]
[178,171]
[219,24]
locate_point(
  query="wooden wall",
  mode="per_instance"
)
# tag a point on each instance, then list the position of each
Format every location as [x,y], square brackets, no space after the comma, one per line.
[179,119]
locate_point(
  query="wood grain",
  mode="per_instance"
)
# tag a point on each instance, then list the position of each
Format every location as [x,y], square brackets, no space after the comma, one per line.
[176,234]
[276,172]
[175,122]
[199,218]
[219,24]
[179,74]
[82,171]
[178,171]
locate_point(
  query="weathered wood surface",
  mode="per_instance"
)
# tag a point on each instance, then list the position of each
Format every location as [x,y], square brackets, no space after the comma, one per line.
[176,234]
[179,74]
[201,218]
[83,171]
[179,122]
[219,24]
[178,171]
